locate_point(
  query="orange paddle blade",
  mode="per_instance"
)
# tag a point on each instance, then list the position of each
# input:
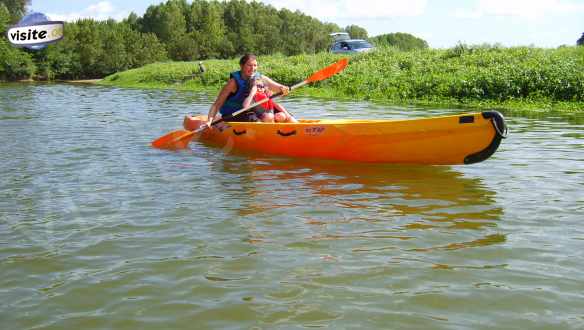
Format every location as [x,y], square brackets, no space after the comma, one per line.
[174,140]
[329,71]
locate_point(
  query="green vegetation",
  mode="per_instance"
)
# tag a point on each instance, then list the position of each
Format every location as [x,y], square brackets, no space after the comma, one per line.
[518,78]
[292,45]
[91,49]
[403,41]
[176,30]
[356,32]
[14,63]
[15,8]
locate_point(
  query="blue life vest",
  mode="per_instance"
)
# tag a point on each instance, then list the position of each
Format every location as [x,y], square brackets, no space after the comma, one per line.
[234,102]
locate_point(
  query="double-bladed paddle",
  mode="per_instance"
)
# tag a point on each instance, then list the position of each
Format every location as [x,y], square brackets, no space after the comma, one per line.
[180,139]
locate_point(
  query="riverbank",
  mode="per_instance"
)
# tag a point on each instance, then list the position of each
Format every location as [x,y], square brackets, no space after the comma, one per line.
[82,81]
[519,78]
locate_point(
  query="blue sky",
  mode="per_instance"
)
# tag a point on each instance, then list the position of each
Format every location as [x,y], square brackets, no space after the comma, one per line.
[442,23]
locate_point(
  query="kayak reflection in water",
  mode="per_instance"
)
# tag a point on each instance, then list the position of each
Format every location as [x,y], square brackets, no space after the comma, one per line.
[238,88]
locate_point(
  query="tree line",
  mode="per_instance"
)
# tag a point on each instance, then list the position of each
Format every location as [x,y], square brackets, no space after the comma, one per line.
[174,30]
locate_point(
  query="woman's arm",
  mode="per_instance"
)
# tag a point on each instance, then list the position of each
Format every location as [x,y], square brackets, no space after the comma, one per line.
[230,87]
[248,100]
[276,87]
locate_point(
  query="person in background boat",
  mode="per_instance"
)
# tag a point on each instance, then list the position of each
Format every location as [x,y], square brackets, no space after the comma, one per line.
[237,89]
[269,111]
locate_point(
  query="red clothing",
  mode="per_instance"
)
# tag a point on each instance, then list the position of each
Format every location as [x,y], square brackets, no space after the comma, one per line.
[269,105]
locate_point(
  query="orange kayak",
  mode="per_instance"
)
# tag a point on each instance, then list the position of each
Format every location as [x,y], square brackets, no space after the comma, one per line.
[445,140]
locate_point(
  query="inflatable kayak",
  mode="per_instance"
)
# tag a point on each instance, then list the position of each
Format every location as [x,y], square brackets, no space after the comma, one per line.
[445,140]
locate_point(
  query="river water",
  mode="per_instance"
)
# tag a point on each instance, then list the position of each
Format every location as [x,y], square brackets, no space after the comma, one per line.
[100,231]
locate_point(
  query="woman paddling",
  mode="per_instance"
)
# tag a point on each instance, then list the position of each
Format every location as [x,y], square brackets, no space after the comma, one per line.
[237,89]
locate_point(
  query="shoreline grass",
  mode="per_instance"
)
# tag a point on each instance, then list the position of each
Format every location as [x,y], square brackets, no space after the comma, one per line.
[521,78]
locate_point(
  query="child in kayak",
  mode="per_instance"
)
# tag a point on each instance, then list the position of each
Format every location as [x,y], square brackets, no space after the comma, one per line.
[269,111]
[237,89]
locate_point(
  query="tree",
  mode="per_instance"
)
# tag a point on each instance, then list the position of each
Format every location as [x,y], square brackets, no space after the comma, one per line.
[226,29]
[90,46]
[16,8]
[239,21]
[212,30]
[62,59]
[143,48]
[403,41]
[292,32]
[175,29]
[14,63]
[133,21]
[4,18]
[356,32]
[113,35]
[580,41]
[268,39]
[166,21]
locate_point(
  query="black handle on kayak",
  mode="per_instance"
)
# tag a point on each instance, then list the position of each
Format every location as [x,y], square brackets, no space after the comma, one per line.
[286,134]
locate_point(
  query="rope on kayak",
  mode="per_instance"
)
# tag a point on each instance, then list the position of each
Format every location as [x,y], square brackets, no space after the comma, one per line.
[498,122]
[502,133]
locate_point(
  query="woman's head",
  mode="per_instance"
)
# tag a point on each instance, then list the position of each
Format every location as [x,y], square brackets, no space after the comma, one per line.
[248,64]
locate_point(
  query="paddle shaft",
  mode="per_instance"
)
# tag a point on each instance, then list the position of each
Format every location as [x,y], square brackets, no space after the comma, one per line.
[175,141]
[251,106]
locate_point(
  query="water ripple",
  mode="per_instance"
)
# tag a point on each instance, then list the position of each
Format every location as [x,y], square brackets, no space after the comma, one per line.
[98,230]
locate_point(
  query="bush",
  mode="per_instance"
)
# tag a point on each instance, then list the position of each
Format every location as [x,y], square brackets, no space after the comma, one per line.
[15,63]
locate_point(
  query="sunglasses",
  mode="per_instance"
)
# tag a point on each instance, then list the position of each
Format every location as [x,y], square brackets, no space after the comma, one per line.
[260,86]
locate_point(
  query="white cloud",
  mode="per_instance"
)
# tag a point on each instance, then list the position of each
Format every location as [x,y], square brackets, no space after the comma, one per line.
[326,10]
[99,11]
[100,8]
[530,9]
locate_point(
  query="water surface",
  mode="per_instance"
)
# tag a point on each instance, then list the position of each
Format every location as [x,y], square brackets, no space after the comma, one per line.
[100,231]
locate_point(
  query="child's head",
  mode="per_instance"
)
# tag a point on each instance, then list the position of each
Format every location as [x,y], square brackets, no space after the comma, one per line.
[260,85]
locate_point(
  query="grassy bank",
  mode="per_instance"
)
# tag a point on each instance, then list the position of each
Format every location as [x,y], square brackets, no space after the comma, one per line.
[483,77]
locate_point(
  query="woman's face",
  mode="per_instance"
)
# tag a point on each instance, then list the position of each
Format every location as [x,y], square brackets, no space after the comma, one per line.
[249,67]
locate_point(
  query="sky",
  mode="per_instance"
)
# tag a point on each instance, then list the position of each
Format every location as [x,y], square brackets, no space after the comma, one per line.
[442,23]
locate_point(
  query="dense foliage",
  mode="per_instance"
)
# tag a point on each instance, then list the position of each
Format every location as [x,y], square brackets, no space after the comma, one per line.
[14,63]
[467,75]
[402,69]
[403,41]
[176,30]
[356,32]
[16,8]
[471,73]
[580,41]
[93,49]
[214,29]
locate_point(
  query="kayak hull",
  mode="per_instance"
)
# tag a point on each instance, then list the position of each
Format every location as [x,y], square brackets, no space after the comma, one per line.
[445,140]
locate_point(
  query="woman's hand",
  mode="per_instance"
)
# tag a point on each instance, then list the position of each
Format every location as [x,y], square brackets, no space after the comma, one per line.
[209,122]
[285,90]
